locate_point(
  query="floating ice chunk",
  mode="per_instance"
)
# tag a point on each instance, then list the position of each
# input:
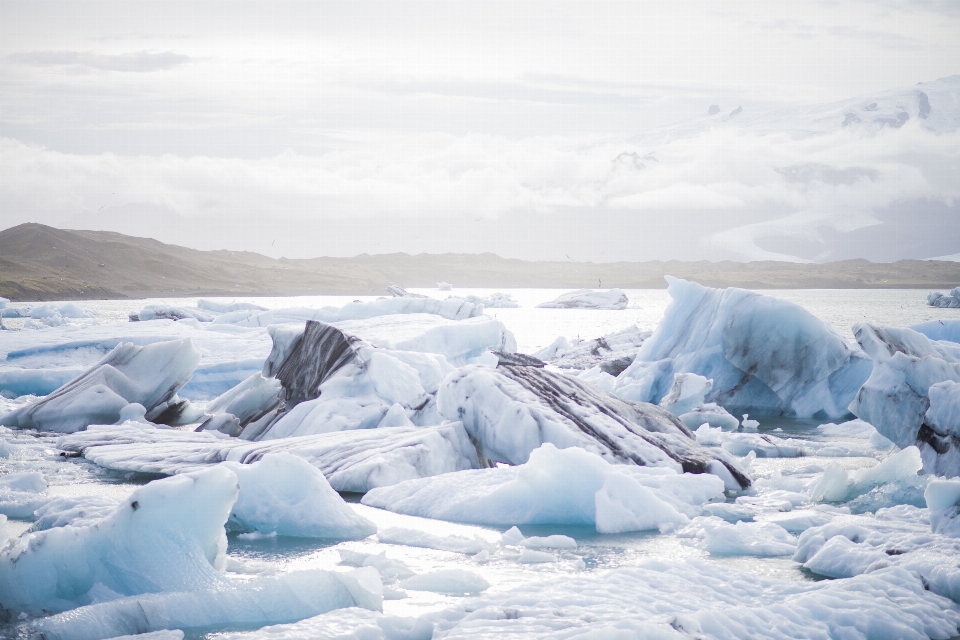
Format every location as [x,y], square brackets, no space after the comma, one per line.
[720,538]
[417,538]
[797,522]
[444,286]
[166,634]
[943,501]
[765,356]
[852,429]
[940,329]
[838,485]
[350,460]
[227,307]
[511,537]
[171,312]
[729,512]
[673,598]
[895,399]
[21,493]
[511,410]
[556,486]
[708,436]
[611,353]
[400,292]
[247,402]
[550,542]
[588,299]
[167,535]
[765,446]
[686,394]
[343,624]
[748,424]
[949,300]
[530,556]
[711,414]
[149,376]
[277,599]
[453,582]
[853,545]
[68,310]
[598,378]
[492,301]
[286,495]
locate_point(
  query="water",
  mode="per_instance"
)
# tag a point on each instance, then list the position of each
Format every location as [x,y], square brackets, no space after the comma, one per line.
[534,328]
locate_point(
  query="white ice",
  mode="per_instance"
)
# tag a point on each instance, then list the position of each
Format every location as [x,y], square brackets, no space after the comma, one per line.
[556,486]
[614,299]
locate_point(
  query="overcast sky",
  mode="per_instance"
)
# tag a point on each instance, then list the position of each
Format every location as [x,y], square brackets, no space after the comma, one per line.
[534,130]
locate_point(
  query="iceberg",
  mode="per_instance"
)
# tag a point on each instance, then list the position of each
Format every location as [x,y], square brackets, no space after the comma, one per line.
[909,397]
[613,299]
[227,307]
[68,310]
[285,495]
[765,355]
[148,376]
[556,486]
[948,330]
[451,309]
[720,538]
[511,410]
[686,401]
[355,461]
[612,353]
[949,300]
[400,292]
[167,536]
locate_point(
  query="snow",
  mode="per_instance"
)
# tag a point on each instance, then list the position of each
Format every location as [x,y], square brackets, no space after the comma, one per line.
[556,486]
[511,410]
[149,376]
[765,355]
[614,299]
[285,495]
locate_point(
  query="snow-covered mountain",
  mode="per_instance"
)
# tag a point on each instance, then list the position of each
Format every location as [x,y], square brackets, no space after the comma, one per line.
[872,177]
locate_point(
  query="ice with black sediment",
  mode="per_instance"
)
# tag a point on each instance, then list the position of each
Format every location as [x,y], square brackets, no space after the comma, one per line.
[130,376]
[511,410]
[611,353]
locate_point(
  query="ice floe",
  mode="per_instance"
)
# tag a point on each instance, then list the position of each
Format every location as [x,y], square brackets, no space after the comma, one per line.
[614,299]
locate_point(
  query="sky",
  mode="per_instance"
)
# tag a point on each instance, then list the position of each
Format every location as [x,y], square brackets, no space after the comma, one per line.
[536,130]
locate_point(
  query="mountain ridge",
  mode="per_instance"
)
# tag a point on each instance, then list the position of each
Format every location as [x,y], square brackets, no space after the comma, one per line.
[38,262]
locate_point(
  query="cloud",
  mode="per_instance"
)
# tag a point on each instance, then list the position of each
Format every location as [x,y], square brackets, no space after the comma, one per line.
[137,62]
[709,187]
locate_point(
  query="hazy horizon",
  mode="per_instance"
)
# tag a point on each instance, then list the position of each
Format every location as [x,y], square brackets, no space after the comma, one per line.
[544,132]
